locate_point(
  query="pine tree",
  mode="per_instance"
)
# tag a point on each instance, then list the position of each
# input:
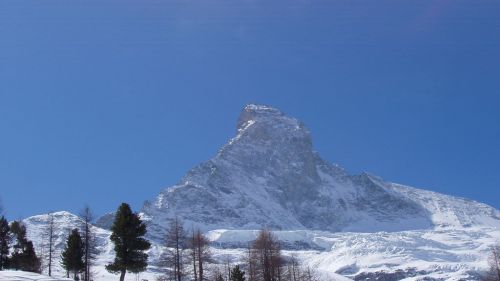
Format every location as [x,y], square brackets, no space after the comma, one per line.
[127,235]
[72,255]
[31,262]
[23,256]
[4,242]
[237,274]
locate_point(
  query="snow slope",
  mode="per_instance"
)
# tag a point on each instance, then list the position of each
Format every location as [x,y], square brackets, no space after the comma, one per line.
[13,275]
[66,221]
[446,253]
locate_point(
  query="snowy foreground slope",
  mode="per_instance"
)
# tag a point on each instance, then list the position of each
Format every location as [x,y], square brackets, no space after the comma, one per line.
[13,275]
[357,226]
[225,244]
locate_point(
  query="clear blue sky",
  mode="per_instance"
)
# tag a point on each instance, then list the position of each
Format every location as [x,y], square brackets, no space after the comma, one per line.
[110,101]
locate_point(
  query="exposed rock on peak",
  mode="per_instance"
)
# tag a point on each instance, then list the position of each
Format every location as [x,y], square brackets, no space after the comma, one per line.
[253,112]
[270,142]
[265,126]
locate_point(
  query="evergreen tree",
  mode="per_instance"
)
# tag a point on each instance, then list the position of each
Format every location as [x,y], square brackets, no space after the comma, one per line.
[23,256]
[4,242]
[237,274]
[72,255]
[127,235]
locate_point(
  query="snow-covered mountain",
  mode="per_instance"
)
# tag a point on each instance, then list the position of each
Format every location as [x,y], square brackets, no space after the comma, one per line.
[269,175]
[358,226]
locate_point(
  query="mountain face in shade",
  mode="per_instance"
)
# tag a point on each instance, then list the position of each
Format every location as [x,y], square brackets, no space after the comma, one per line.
[268,175]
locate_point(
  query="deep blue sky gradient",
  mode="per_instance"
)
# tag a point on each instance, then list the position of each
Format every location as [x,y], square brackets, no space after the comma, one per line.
[110,101]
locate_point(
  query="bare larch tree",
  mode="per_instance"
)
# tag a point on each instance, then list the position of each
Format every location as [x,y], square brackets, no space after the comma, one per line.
[49,235]
[89,242]
[176,244]
[266,255]
[494,261]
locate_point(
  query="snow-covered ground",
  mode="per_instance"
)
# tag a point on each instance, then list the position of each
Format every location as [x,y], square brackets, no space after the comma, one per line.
[452,254]
[12,275]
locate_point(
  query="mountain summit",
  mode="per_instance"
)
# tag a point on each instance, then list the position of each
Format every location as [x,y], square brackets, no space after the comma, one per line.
[268,175]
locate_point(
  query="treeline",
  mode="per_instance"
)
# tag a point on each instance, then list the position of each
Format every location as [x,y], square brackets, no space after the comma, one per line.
[188,256]
[80,250]
[18,253]
[263,261]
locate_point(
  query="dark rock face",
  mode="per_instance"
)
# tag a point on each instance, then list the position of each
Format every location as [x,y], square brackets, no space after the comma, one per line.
[105,221]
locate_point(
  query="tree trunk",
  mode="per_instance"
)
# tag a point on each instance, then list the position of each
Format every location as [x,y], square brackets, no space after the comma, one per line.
[193,255]
[178,254]
[200,262]
[497,267]
[50,254]
[122,275]
[194,266]
[87,238]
